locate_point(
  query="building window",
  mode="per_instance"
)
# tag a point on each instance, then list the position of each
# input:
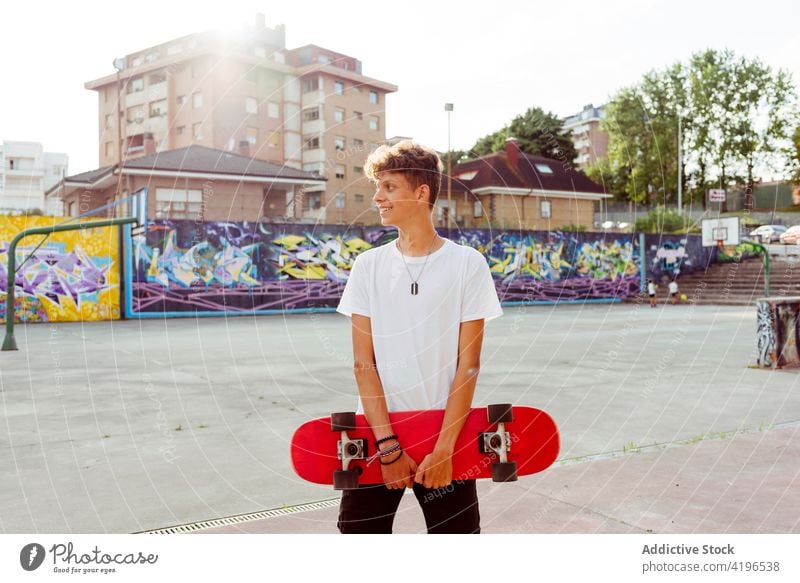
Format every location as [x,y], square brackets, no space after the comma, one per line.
[251,105]
[252,136]
[197,100]
[339,200]
[358,144]
[312,201]
[373,122]
[274,140]
[544,168]
[359,198]
[180,130]
[311,143]
[181,99]
[545,209]
[109,149]
[311,114]
[313,167]
[338,88]
[311,84]
[135,114]
[197,132]
[157,77]
[340,171]
[273,109]
[338,115]
[158,108]
[373,97]
[338,143]
[358,115]
[251,75]
[136,61]
[109,119]
[358,170]
[477,209]
[177,203]
[136,84]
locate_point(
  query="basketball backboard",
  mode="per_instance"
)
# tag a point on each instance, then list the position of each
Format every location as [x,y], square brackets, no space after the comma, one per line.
[721,231]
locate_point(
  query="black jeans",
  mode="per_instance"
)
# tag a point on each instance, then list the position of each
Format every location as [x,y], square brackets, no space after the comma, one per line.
[449,510]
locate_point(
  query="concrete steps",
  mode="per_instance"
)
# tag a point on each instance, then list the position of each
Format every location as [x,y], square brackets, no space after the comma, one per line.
[737,283]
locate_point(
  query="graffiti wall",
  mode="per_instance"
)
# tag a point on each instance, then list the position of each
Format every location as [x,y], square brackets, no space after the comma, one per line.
[669,256]
[188,268]
[65,277]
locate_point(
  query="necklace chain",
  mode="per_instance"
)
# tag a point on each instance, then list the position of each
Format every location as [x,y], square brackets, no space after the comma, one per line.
[414,282]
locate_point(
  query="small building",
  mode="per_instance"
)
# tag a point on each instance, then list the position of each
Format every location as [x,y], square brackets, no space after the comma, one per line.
[26,172]
[199,183]
[514,190]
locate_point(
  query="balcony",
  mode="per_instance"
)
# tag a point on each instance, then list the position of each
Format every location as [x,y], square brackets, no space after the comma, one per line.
[33,172]
[156,92]
[313,98]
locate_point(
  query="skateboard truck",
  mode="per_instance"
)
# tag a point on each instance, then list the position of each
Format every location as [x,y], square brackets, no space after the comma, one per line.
[347,450]
[498,442]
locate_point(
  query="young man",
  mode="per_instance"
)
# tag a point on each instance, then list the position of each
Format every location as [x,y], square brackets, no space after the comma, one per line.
[418,307]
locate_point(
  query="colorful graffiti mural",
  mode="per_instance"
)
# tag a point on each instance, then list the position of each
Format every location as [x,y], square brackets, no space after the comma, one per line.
[179,268]
[669,256]
[73,276]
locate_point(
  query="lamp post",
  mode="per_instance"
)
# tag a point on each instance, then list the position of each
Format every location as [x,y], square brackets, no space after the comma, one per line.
[119,65]
[448,107]
[680,166]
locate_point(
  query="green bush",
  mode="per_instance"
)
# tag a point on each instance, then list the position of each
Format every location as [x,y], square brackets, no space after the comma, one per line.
[661,220]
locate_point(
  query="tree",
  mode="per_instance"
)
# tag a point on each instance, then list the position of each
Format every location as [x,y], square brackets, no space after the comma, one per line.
[538,133]
[735,116]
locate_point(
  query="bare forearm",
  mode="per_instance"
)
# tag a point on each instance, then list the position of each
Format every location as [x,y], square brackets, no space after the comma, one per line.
[373,400]
[459,403]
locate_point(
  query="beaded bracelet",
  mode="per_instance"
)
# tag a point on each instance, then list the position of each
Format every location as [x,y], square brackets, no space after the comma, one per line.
[384,440]
[383,453]
[394,460]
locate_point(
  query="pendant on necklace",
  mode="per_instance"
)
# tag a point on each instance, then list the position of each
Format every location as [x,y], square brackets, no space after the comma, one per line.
[414,288]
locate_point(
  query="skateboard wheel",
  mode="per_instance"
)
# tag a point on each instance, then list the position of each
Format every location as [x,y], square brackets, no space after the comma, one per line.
[345,480]
[504,472]
[500,413]
[343,421]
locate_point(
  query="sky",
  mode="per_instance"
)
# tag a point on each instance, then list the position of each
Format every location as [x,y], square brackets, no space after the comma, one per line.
[492,60]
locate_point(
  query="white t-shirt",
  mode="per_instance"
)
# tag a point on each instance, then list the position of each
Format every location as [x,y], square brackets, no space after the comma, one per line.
[415,337]
[651,288]
[673,287]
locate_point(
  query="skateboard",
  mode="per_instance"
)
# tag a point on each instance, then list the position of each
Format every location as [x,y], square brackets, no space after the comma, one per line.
[500,442]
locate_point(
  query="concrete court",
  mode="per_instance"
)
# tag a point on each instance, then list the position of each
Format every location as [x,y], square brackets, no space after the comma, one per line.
[140,425]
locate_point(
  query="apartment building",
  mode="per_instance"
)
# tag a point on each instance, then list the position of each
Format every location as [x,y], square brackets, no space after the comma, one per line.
[26,172]
[591,142]
[308,108]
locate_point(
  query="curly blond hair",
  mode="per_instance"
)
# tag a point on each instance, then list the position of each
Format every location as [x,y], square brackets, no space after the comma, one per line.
[419,164]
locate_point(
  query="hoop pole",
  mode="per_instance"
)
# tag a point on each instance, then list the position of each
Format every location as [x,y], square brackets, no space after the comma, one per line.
[9,342]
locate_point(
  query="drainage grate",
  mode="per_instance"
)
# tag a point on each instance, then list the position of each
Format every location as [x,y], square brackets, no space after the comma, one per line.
[241,518]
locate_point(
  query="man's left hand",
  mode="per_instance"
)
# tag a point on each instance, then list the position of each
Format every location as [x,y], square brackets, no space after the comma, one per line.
[435,471]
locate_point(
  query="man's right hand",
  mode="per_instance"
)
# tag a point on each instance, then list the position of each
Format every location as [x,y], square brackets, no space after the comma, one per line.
[399,474]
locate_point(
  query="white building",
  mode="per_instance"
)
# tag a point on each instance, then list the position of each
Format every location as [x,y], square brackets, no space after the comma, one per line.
[26,173]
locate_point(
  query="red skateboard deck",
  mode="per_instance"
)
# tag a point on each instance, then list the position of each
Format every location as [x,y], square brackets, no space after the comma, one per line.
[499,442]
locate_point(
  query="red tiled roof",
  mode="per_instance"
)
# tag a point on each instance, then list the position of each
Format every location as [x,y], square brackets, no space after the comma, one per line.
[496,170]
